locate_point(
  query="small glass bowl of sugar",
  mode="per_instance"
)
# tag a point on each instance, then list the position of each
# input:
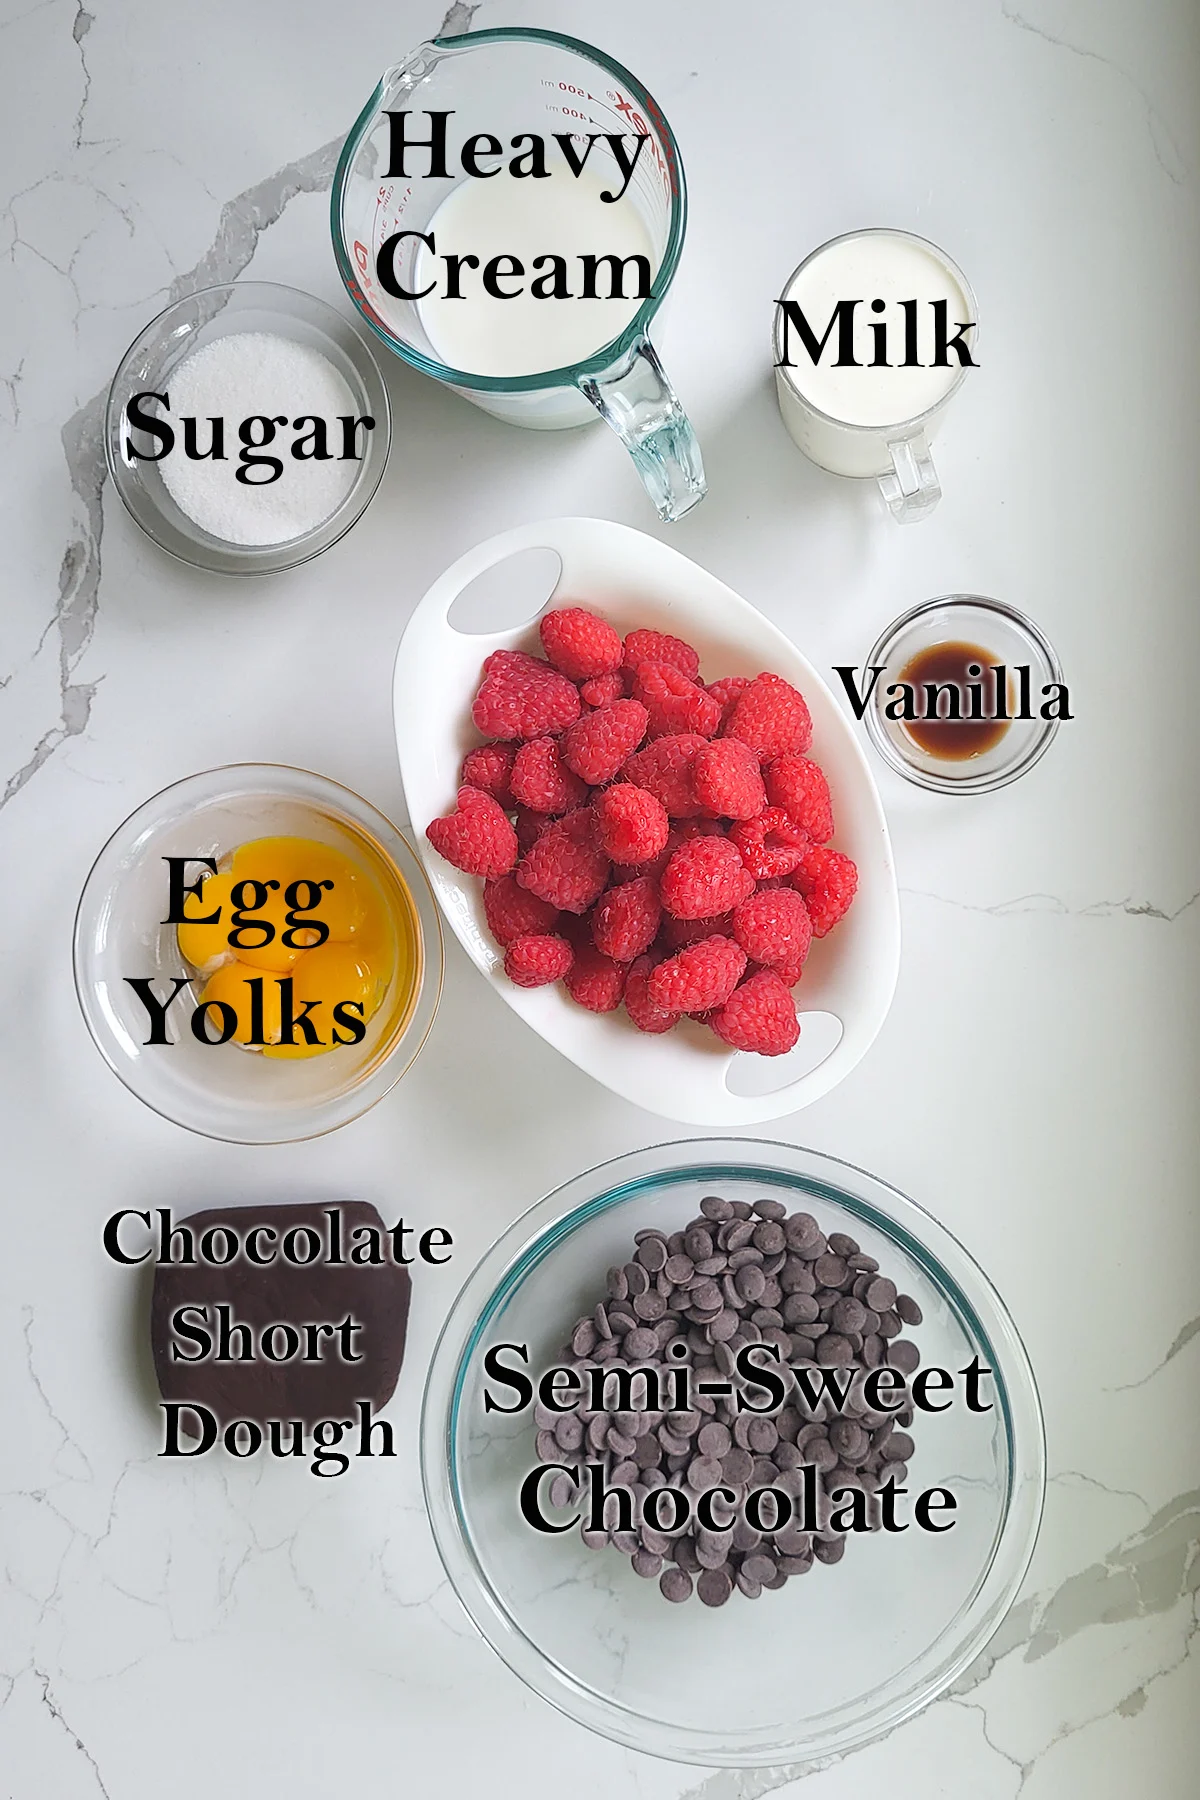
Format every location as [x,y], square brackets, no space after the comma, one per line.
[247,428]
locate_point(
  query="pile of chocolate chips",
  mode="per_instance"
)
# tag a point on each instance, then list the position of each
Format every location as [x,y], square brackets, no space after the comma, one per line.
[737,1275]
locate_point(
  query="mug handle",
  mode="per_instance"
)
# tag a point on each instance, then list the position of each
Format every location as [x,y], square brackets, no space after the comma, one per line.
[636,398]
[910,487]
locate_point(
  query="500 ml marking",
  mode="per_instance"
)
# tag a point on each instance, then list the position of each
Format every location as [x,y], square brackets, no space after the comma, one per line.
[302,931]
[568,87]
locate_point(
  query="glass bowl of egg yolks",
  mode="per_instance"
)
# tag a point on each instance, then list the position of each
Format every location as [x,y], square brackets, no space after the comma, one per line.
[258,954]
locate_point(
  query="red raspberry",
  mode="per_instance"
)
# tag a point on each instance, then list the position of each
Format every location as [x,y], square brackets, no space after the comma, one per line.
[705,876]
[726,692]
[595,980]
[522,697]
[634,827]
[660,647]
[770,845]
[682,831]
[597,746]
[602,690]
[759,1016]
[664,769]
[674,703]
[478,838]
[566,867]
[679,933]
[800,787]
[703,975]
[579,643]
[726,778]
[771,717]
[530,826]
[534,961]
[489,768]
[625,919]
[828,880]
[512,912]
[540,781]
[773,928]
[638,1004]
[509,659]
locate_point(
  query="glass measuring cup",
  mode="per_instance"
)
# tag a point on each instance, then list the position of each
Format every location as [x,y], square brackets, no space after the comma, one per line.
[507,82]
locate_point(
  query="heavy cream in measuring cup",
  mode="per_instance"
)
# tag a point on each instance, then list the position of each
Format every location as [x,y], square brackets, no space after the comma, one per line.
[554,238]
[889,310]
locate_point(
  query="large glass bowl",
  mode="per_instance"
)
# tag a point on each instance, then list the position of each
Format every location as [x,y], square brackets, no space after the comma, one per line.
[827,1662]
[120,934]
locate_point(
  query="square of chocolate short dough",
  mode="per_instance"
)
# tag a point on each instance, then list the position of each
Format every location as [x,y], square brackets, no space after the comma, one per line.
[373,1296]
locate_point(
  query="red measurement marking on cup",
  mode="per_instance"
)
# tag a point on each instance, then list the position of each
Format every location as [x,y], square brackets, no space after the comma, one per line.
[627,109]
[389,212]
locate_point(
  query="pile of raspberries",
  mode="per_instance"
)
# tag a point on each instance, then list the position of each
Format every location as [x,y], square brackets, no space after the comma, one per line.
[645,837]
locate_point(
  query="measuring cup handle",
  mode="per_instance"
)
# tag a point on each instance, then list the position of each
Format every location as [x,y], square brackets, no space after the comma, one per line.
[638,401]
[910,487]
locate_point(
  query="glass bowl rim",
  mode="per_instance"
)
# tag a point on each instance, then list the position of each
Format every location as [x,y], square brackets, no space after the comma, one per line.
[253,559]
[966,784]
[917,420]
[541,1229]
[424,907]
[601,360]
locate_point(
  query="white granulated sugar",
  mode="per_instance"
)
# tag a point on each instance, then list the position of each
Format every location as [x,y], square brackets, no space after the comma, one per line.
[234,378]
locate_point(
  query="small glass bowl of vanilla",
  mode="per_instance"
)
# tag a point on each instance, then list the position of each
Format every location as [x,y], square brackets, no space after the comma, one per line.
[968,696]
[258,954]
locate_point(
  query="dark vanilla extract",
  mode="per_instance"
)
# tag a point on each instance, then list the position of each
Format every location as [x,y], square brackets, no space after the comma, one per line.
[962,695]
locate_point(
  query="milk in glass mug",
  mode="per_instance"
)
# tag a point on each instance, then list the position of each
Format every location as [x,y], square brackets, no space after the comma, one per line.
[875,333]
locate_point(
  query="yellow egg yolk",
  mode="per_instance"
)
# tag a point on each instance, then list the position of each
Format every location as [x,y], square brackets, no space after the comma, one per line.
[347,987]
[299,876]
[205,946]
[230,986]
[289,908]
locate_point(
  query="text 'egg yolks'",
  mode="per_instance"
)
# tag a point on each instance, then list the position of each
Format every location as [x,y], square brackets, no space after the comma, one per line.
[351,969]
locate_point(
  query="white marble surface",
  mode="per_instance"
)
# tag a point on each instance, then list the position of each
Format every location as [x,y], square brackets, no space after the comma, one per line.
[244,1628]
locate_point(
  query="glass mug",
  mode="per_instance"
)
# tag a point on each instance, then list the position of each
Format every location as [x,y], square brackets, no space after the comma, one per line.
[897,452]
[507,82]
